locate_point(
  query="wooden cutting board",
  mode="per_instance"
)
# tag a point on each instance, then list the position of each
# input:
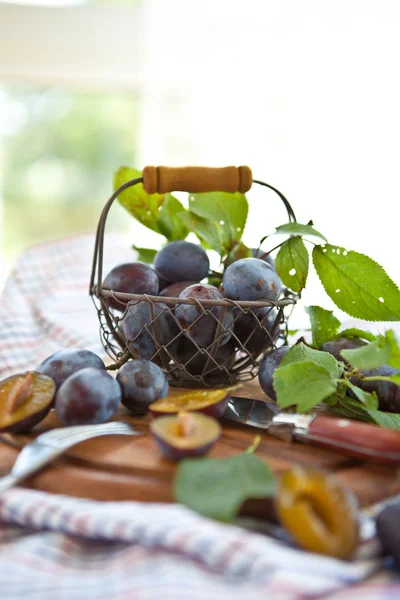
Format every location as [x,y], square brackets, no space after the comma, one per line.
[131,468]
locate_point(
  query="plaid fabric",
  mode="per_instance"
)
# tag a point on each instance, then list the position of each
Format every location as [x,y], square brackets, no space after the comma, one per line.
[66,548]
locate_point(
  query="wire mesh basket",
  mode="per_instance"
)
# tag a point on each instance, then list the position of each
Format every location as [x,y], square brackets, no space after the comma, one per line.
[225,340]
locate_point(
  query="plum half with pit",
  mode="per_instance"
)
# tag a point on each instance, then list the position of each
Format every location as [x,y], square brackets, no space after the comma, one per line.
[63,363]
[142,382]
[25,399]
[185,435]
[88,397]
[211,402]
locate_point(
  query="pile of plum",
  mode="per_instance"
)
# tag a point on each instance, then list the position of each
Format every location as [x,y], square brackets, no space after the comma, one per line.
[76,383]
[179,333]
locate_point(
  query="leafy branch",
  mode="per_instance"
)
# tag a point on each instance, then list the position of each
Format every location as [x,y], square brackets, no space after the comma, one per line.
[356,283]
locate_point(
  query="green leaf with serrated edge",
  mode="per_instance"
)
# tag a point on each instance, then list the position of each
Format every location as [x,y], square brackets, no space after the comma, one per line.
[357,284]
[385,419]
[367,399]
[206,231]
[395,349]
[370,356]
[217,488]
[228,211]
[351,409]
[343,405]
[171,226]
[299,229]
[292,263]
[144,207]
[303,353]
[360,334]
[304,384]
[324,325]
[145,255]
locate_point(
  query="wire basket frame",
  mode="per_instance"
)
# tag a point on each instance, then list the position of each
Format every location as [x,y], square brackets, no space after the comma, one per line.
[236,335]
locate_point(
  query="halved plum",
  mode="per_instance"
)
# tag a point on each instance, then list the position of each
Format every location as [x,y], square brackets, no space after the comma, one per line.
[212,402]
[25,399]
[185,435]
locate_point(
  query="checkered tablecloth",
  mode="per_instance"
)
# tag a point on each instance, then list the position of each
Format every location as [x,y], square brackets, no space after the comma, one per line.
[66,548]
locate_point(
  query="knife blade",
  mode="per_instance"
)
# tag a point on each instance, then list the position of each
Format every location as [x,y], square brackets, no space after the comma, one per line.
[354,438]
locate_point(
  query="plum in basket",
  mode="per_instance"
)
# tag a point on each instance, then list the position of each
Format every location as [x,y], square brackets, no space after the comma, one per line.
[130,278]
[182,261]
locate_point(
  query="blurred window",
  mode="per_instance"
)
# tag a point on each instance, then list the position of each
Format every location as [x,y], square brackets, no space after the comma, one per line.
[59,151]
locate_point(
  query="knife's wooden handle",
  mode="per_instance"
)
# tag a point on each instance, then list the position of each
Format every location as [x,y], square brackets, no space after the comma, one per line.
[196,179]
[355,438]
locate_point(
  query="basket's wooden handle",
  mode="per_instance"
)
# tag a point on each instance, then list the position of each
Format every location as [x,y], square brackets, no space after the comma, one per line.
[196,179]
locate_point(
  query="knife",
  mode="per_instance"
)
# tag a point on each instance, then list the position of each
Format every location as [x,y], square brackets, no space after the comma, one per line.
[354,438]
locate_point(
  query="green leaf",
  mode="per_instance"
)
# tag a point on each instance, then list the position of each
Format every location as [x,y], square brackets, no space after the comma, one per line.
[360,334]
[351,409]
[171,226]
[303,353]
[394,360]
[228,212]
[146,255]
[304,384]
[357,284]
[299,229]
[384,419]
[144,207]
[292,263]
[217,488]
[206,231]
[324,325]
[367,399]
[371,356]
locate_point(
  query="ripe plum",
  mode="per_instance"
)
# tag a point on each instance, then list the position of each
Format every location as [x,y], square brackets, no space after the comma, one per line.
[88,397]
[251,279]
[388,392]
[258,253]
[182,261]
[267,370]
[335,347]
[63,363]
[387,529]
[131,278]
[195,361]
[174,289]
[201,327]
[142,382]
[140,333]
[254,337]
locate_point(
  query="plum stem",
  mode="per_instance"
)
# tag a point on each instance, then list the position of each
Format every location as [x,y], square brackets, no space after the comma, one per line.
[256,442]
